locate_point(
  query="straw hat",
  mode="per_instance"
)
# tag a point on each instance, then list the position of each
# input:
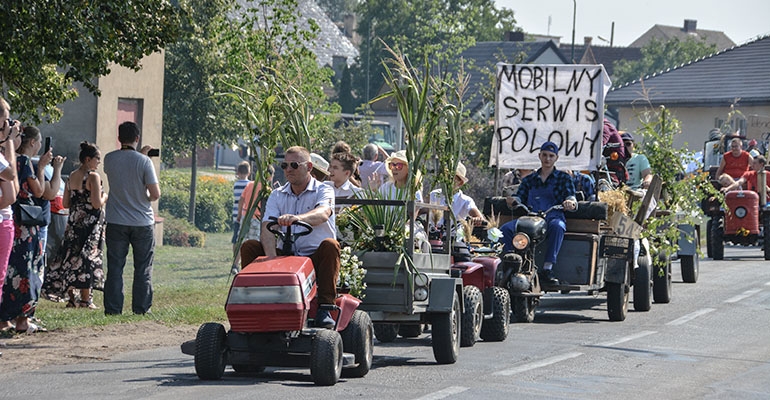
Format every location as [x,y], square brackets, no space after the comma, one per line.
[398,155]
[319,163]
[460,172]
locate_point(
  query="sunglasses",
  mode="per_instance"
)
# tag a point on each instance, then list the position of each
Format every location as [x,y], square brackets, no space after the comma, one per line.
[396,166]
[293,164]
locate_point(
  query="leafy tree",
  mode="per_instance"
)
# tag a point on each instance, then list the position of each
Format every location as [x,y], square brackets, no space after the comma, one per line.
[436,29]
[276,83]
[48,45]
[337,9]
[658,56]
[193,115]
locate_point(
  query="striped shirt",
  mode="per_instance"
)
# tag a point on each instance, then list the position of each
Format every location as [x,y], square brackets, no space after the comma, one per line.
[240,184]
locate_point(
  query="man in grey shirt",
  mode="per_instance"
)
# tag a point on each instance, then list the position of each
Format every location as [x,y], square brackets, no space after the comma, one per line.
[130,221]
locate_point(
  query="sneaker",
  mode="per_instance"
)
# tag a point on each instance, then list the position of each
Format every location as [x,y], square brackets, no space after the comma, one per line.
[547,278]
[234,270]
[323,319]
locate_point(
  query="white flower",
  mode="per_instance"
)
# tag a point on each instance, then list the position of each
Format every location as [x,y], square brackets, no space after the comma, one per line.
[494,235]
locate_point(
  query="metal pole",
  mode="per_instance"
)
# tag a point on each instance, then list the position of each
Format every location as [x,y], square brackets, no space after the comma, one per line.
[574,10]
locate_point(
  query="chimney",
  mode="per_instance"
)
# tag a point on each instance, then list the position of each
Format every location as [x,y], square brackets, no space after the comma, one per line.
[587,40]
[512,36]
[690,25]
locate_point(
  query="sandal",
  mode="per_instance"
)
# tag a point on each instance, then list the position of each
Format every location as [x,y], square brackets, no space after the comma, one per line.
[32,328]
[89,304]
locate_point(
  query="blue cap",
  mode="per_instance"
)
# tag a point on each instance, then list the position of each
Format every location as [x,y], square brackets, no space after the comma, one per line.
[550,146]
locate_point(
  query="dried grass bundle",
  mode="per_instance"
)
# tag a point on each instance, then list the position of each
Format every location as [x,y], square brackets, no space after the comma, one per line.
[616,201]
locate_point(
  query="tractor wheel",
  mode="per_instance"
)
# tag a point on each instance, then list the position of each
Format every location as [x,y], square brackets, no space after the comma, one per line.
[690,268]
[495,329]
[766,230]
[385,333]
[210,351]
[248,368]
[642,286]
[409,331]
[617,301]
[709,251]
[326,357]
[473,316]
[523,308]
[716,240]
[445,334]
[357,339]
[661,279]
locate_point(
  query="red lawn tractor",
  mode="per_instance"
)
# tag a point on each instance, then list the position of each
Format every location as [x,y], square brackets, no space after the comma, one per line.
[268,308]
[744,222]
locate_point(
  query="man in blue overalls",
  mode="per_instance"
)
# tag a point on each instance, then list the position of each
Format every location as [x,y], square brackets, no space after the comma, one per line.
[539,191]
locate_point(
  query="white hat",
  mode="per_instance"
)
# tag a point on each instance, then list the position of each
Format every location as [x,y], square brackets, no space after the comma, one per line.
[460,172]
[319,163]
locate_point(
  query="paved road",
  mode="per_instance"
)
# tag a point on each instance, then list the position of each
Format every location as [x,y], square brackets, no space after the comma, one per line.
[710,342]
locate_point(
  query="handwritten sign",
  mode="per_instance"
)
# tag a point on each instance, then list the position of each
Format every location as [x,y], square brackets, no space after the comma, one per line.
[625,226]
[563,104]
[757,126]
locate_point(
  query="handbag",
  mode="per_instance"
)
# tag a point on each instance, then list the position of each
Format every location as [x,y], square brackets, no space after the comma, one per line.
[27,213]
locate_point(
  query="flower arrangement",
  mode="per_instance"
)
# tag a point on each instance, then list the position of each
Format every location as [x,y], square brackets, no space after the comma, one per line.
[351,273]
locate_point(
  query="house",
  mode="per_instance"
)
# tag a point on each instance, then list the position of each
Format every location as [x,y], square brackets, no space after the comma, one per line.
[700,93]
[126,95]
[480,61]
[588,53]
[665,33]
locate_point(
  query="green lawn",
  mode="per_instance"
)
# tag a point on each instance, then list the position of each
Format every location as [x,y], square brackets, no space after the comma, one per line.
[190,287]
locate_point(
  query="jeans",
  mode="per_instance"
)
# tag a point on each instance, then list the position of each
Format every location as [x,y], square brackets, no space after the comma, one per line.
[142,241]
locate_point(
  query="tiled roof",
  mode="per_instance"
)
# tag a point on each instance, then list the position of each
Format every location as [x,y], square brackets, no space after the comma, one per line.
[330,42]
[666,33]
[485,55]
[605,55]
[738,72]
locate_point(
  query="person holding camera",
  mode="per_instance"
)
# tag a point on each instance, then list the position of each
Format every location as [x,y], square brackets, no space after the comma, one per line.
[9,188]
[133,186]
[24,280]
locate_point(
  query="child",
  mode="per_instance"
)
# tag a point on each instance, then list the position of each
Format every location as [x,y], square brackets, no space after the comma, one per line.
[242,172]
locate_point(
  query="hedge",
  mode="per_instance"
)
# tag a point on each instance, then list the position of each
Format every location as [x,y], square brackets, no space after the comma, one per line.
[213,200]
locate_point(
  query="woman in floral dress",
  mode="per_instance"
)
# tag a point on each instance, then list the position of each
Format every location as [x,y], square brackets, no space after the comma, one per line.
[78,268]
[24,280]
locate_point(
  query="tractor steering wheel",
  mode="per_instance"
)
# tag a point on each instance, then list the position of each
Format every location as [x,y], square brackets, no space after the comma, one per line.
[287,237]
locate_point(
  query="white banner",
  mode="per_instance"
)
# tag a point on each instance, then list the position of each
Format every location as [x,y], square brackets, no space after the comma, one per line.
[561,103]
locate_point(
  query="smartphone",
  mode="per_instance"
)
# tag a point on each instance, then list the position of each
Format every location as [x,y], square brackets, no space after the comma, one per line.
[153,153]
[47,144]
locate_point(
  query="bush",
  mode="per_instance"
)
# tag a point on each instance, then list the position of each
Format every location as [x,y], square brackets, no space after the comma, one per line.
[178,232]
[213,200]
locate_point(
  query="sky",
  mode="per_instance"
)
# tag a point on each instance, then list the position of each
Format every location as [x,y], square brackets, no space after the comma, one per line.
[740,20]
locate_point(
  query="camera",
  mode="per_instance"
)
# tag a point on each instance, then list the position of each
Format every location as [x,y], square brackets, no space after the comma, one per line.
[153,153]
[47,144]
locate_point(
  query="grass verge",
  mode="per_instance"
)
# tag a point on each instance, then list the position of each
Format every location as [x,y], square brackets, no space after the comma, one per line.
[190,287]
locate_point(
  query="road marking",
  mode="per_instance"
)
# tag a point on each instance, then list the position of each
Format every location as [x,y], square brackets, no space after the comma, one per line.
[691,316]
[742,296]
[626,339]
[441,394]
[537,364]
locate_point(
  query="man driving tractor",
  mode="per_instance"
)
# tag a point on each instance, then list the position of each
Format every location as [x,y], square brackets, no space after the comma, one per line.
[539,191]
[305,199]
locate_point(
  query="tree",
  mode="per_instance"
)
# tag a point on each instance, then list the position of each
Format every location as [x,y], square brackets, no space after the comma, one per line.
[193,115]
[277,84]
[49,45]
[438,29]
[659,56]
[337,9]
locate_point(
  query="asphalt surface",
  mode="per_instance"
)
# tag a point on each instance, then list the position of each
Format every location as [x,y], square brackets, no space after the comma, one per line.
[710,342]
